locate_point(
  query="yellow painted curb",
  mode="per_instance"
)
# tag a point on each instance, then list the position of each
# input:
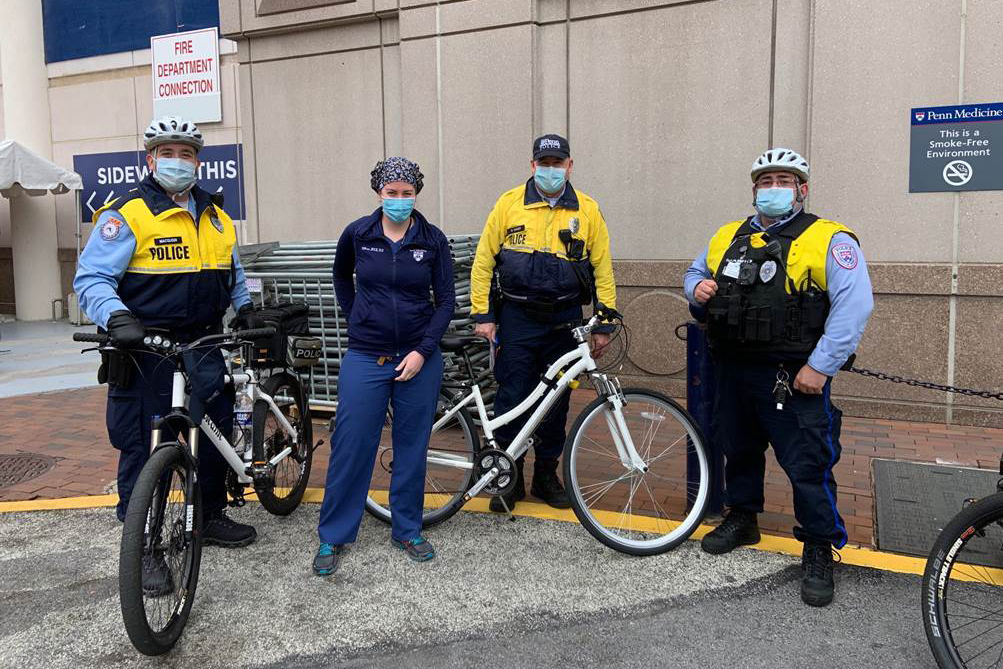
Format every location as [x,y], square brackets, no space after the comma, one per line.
[851,555]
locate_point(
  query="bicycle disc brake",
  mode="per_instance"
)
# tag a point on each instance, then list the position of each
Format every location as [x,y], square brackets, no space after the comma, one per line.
[491,458]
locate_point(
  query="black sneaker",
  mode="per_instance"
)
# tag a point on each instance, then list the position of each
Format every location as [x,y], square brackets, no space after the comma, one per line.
[220,530]
[817,586]
[157,580]
[739,528]
[547,487]
[418,549]
[518,493]
[327,558]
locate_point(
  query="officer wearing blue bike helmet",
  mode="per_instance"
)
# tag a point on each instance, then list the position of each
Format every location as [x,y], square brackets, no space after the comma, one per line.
[786,296]
[165,256]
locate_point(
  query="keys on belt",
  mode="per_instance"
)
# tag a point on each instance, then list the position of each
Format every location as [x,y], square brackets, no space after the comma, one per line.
[781,391]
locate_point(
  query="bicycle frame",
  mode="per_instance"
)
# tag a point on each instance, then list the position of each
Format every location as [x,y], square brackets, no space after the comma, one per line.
[179,406]
[555,381]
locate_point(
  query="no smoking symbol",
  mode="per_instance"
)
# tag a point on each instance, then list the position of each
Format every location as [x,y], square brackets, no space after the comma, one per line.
[957,173]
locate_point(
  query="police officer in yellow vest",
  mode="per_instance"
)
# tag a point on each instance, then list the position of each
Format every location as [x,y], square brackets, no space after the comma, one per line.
[786,296]
[546,247]
[165,256]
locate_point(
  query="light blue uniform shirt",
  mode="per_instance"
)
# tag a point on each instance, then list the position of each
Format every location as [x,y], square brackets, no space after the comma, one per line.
[850,296]
[104,261]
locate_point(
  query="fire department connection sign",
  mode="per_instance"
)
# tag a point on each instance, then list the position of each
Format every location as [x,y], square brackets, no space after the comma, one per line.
[186,75]
[956,148]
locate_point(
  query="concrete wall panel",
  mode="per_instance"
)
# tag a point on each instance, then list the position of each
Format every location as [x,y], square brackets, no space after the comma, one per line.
[551,91]
[791,75]
[665,154]
[860,123]
[101,108]
[486,121]
[316,142]
[479,14]
[420,104]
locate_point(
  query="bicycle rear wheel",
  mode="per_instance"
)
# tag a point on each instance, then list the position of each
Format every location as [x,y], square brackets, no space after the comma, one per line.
[269,439]
[631,511]
[456,441]
[163,529]
[963,588]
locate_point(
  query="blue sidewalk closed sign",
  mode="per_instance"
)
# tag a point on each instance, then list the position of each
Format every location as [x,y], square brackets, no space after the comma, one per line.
[107,176]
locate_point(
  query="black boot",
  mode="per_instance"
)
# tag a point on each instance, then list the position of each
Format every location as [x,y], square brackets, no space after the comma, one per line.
[817,585]
[517,493]
[157,580]
[739,528]
[547,486]
[222,531]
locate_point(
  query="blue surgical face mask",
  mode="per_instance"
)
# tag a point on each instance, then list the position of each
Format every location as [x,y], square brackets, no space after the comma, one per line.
[774,202]
[550,179]
[398,209]
[174,174]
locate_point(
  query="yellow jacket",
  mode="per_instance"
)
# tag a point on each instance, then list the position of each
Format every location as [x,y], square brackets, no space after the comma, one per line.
[521,241]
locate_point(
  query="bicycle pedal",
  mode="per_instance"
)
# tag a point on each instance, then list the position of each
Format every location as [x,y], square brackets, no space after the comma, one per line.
[262,473]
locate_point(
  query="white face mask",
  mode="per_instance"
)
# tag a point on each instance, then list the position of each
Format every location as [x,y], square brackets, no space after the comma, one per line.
[174,174]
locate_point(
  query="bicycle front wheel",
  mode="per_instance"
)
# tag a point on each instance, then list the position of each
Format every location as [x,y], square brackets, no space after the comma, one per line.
[158,538]
[637,511]
[448,473]
[963,588]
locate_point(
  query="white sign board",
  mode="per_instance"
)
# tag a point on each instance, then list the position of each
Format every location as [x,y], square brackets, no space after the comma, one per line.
[186,75]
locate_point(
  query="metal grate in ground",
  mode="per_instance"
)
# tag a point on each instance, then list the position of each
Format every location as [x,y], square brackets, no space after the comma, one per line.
[21,467]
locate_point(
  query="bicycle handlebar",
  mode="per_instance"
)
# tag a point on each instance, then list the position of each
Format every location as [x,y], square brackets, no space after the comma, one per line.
[91,337]
[104,339]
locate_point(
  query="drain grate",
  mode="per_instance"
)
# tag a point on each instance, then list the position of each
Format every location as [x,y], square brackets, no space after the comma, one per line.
[22,467]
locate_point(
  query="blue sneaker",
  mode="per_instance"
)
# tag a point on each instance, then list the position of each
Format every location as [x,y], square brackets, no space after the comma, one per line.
[418,549]
[327,558]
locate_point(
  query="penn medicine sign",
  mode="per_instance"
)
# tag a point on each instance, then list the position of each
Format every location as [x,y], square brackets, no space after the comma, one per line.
[186,75]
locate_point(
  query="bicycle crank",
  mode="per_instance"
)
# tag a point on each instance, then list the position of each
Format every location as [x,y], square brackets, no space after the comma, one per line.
[494,459]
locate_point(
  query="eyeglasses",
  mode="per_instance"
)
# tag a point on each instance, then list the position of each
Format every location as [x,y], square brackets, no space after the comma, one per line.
[779,182]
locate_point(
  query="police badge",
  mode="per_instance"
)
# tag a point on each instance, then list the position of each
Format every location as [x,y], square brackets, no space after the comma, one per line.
[216,223]
[573,225]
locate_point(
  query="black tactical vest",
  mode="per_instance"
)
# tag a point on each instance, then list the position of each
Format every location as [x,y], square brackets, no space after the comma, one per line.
[753,317]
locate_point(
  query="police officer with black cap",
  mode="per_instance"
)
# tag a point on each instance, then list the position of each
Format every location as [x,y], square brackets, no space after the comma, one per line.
[543,254]
[786,296]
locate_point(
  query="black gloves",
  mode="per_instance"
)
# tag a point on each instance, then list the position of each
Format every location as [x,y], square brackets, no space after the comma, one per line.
[125,329]
[246,319]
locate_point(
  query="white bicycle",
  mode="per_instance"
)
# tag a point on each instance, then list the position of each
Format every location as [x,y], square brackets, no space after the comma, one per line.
[635,462]
[164,520]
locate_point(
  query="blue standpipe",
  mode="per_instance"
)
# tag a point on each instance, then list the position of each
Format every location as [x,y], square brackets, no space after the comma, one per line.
[700,392]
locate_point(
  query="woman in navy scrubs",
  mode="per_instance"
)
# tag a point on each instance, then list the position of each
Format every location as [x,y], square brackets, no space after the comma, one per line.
[393,358]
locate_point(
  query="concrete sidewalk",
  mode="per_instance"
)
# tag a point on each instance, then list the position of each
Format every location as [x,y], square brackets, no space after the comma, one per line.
[530,593]
[43,357]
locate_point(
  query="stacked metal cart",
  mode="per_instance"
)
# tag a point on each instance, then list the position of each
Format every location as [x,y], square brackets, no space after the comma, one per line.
[301,271]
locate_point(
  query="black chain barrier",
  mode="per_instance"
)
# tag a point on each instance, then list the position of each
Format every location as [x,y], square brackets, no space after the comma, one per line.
[989,395]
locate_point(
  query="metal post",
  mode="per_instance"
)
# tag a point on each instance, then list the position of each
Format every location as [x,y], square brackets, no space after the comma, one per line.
[701,387]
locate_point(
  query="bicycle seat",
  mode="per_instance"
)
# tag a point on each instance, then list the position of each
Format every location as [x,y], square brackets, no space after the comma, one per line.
[456,343]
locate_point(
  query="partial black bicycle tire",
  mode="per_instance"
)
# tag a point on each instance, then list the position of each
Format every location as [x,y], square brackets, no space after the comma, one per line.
[586,520]
[449,509]
[936,576]
[283,506]
[130,565]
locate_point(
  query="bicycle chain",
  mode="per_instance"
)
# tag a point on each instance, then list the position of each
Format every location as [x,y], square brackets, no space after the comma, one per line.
[989,395]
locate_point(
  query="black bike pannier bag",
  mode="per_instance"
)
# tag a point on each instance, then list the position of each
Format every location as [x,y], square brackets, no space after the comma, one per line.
[288,318]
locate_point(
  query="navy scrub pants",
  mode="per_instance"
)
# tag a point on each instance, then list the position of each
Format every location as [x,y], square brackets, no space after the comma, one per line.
[365,389]
[527,347]
[805,440]
[130,412]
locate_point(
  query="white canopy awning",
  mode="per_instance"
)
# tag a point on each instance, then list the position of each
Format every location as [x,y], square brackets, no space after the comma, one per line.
[25,173]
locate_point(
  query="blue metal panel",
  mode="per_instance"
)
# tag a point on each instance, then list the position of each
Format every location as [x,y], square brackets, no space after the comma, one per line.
[75,29]
[700,391]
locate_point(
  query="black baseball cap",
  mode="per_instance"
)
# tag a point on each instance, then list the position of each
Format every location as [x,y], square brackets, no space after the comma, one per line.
[551,145]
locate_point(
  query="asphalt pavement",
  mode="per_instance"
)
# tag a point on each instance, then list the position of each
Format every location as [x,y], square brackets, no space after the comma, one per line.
[525,593]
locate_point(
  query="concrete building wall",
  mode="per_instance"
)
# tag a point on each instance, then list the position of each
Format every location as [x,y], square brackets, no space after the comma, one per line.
[666,104]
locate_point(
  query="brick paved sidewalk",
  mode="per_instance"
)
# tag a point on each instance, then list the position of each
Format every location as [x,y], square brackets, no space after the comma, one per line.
[69,427]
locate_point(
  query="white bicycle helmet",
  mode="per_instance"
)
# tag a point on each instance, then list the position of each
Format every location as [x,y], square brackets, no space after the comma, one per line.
[780,160]
[172,130]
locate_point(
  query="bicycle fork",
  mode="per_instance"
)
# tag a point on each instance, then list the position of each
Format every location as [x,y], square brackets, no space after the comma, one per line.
[611,390]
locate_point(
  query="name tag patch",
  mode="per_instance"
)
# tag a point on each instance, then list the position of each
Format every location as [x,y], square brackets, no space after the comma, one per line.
[516,235]
[732,268]
[160,241]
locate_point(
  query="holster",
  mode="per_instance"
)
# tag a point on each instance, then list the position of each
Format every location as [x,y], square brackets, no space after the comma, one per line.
[117,369]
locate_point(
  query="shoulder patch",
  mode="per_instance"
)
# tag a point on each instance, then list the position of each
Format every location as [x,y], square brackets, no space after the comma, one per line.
[845,255]
[111,228]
